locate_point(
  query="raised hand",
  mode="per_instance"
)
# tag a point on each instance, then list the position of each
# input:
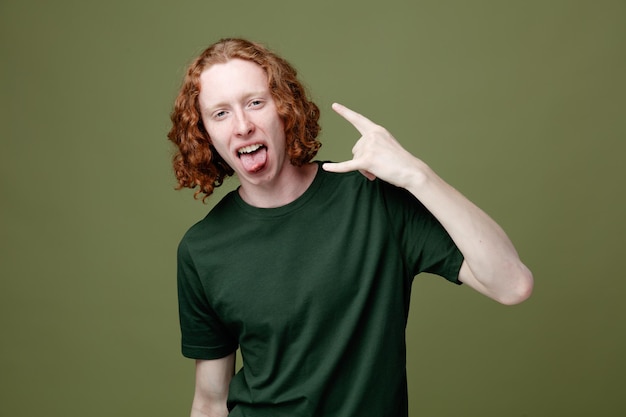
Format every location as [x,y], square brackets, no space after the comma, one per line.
[377,153]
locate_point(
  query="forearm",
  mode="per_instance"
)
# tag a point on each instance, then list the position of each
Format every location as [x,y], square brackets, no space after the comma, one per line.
[209,404]
[212,385]
[203,411]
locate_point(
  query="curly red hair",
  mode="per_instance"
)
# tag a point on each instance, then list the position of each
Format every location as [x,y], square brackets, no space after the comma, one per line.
[196,162]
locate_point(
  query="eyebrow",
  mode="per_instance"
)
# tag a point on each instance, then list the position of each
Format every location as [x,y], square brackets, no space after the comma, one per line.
[263,94]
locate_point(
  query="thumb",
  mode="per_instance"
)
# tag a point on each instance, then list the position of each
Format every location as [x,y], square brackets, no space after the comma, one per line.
[345,166]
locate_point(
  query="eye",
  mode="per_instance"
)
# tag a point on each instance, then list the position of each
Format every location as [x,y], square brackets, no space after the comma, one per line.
[220,114]
[256,103]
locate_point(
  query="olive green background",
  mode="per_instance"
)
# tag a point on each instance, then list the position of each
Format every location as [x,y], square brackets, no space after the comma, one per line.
[519,104]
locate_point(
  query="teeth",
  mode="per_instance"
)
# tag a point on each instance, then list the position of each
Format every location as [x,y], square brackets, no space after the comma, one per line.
[249,148]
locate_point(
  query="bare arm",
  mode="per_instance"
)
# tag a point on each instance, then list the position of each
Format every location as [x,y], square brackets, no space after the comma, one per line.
[492,265]
[211,392]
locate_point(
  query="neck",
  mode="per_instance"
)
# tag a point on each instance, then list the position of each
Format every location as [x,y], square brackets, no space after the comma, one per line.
[286,189]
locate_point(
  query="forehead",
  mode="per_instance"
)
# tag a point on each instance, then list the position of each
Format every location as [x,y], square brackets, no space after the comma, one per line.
[230,81]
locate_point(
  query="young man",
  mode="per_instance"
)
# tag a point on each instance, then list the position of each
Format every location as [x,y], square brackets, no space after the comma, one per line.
[308,266]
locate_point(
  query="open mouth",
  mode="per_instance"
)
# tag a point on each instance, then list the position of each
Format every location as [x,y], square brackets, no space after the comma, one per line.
[250,149]
[253,157]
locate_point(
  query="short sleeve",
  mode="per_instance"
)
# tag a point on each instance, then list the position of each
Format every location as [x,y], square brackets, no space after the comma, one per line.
[425,243]
[203,335]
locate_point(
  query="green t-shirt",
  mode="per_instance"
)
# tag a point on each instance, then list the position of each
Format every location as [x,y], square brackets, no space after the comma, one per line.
[315,293]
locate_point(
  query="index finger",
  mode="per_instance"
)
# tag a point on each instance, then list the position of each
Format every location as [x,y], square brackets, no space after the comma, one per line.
[360,122]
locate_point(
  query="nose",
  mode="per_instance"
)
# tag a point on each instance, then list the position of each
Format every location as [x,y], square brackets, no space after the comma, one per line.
[243,124]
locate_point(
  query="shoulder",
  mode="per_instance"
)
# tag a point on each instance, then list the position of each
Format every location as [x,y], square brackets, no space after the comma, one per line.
[212,222]
[355,182]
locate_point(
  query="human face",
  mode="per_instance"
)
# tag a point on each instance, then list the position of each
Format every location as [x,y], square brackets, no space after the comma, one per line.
[240,116]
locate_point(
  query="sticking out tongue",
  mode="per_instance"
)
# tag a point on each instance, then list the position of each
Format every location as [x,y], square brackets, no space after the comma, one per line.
[254,161]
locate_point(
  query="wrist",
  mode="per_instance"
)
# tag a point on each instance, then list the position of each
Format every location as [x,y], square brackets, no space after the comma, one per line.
[417,179]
